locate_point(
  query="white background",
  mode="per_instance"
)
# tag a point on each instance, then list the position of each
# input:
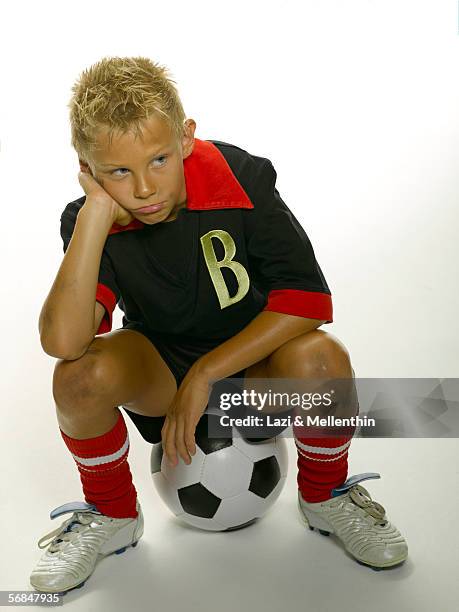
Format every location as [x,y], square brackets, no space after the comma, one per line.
[356,104]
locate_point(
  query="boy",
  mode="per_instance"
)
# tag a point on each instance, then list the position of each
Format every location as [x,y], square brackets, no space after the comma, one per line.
[216,278]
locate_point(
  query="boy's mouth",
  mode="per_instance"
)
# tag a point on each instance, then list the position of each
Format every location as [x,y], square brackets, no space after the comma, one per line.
[150,209]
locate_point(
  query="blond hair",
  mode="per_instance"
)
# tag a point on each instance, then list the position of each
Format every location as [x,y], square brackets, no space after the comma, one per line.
[117,94]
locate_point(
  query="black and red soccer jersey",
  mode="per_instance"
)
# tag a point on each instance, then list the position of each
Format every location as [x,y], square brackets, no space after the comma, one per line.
[235,250]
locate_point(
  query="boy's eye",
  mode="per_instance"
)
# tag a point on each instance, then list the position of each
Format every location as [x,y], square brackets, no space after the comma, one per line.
[161,158]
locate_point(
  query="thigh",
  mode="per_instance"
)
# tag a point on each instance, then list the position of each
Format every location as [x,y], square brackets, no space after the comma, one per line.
[179,353]
[129,371]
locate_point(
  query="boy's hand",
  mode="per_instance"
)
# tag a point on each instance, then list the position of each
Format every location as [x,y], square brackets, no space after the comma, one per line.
[183,415]
[96,196]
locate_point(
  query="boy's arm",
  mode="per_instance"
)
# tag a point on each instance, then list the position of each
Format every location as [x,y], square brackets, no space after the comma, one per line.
[263,335]
[281,257]
[266,332]
[68,316]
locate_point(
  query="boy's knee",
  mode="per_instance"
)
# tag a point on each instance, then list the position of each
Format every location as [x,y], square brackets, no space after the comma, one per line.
[80,381]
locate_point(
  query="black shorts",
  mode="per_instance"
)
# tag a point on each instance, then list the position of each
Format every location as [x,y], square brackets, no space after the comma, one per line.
[179,355]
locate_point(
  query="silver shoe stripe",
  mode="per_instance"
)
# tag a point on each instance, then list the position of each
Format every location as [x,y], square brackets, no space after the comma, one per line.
[103,458]
[321,450]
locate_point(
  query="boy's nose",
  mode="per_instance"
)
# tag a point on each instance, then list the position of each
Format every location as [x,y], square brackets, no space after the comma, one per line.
[144,188]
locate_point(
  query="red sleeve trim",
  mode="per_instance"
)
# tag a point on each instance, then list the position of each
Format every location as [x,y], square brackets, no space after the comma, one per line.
[309,304]
[107,298]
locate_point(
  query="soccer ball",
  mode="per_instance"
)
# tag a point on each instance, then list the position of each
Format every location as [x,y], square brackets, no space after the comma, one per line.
[230,482]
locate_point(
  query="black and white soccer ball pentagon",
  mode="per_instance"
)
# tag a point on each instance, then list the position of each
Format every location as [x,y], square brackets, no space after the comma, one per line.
[230,482]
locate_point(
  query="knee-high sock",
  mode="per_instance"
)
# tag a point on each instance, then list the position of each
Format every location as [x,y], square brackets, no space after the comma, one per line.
[322,465]
[104,470]
[322,462]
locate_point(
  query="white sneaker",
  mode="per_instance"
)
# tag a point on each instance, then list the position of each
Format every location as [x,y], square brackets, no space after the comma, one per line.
[359,522]
[79,543]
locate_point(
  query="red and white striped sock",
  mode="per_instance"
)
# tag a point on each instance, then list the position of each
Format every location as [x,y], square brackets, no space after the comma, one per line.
[322,465]
[104,471]
[322,462]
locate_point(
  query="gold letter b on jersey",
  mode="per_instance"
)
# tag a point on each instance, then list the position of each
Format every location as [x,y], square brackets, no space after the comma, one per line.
[214,266]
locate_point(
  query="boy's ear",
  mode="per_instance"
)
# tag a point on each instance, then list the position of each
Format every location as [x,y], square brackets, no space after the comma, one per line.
[188,137]
[84,166]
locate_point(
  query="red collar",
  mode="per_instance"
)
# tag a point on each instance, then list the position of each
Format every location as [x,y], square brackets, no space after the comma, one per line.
[210,184]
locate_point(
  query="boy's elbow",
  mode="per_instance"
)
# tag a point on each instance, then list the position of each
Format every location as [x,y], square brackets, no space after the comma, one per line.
[61,351]
[56,345]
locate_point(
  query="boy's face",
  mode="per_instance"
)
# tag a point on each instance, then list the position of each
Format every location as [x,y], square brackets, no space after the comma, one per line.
[144,171]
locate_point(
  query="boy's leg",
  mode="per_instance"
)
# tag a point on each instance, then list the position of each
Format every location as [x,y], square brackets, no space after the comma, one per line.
[120,368]
[350,513]
[322,462]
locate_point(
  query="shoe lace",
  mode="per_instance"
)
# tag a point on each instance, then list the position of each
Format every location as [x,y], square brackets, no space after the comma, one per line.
[360,496]
[69,530]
